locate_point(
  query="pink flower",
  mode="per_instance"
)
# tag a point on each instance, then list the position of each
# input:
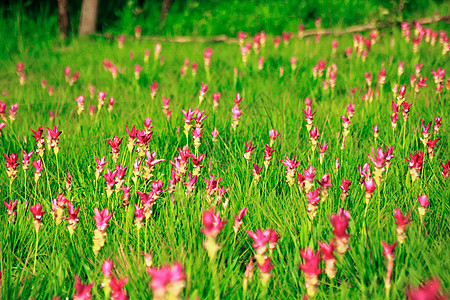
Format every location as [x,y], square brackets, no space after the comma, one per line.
[37,212]
[154,89]
[365,171]
[437,123]
[265,267]
[310,173]
[445,169]
[203,88]
[212,223]
[11,208]
[313,197]
[102,218]
[369,185]
[214,133]
[236,112]
[311,262]
[378,159]
[337,164]
[323,149]
[117,287]
[290,164]
[53,136]
[388,250]
[273,239]
[423,201]
[37,165]
[257,170]
[273,134]
[314,133]
[100,163]
[261,238]
[167,279]
[115,143]
[268,155]
[415,164]
[401,220]
[237,100]
[83,291]
[189,115]
[429,290]
[340,224]
[238,219]
[208,53]
[248,150]
[107,268]
[110,177]
[211,185]
[327,250]
[345,185]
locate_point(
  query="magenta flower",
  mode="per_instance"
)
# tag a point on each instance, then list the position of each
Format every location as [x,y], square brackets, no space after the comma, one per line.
[236,114]
[102,218]
[344,189]
[429,290]
[118,292]
[437,123]
[248,151]
[115,143]
[401,221]
[415,164]
[309,178]
[261,238]
[445,169]
[290,164]
[107,268]
[323,149]
[340,222]
[369,185]
[11,209]
[211,185]
[189,115]
[238,220]
[190,184]
[273,134]
[268,155]
[110,177]
[83,291]
[167,282]
[329,258]
[212,223]
[266,267]
[345,185]
[72,218]
[311,269]
[37,214]
[139,216]
[11,165]
[154,89]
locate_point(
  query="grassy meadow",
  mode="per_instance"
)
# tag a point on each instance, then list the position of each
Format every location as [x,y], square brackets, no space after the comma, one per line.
[43,263]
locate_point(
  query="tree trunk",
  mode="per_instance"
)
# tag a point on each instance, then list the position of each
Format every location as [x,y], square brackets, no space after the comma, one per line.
[63,17]
[88,17]
[164,11]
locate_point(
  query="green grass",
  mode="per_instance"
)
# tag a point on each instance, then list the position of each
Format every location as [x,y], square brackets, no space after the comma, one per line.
[173,233]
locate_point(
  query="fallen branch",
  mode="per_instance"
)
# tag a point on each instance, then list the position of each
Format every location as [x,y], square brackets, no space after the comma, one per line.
[310,32]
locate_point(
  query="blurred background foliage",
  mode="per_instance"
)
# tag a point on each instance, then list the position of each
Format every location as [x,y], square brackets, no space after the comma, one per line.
[27,25]
[213,17]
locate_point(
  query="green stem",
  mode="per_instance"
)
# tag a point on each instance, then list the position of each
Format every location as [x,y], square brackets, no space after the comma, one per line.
[215,278]
[35,251]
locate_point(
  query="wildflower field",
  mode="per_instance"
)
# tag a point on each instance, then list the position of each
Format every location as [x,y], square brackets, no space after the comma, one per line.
[271,167]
